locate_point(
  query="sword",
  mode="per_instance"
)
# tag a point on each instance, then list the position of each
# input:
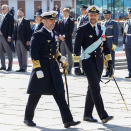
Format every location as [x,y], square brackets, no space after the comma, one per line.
[66,73]
[120,93]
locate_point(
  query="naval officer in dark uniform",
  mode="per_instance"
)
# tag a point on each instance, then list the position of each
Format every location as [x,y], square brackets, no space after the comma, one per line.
[46,77]
[112,34]
[83,18]
[127,41]
[91,38]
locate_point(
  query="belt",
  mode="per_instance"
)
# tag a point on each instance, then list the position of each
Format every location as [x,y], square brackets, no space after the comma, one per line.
[109,36]
[128,34]
[49,56]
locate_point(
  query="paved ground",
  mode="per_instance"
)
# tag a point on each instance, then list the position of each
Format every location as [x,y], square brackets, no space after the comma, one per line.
[13,100]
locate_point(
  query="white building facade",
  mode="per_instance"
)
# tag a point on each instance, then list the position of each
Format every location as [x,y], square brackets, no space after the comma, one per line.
[30,6]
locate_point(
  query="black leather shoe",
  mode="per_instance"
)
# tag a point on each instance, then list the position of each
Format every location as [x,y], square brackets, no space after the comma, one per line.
[107,119]
[2,68]
[90,119]
[105,75]
[19,70]
[23,70]
[9,69]
[71,123]
[29,123]
[128,77]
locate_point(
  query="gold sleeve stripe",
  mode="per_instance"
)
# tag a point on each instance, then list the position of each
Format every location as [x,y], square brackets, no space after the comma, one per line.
[76,59]
[57,54]
[108,57]
[36,64]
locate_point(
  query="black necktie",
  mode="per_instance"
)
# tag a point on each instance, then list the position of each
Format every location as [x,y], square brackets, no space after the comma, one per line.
[94,28]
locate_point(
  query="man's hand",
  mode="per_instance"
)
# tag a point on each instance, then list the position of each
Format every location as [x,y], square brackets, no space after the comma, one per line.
[61,38]
[114,47]
[27,43]
[39,74]
[77,71]
[123,49]
[9,39]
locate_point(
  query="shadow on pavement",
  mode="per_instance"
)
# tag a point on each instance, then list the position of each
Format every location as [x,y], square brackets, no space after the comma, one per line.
[69,129]
[13,72]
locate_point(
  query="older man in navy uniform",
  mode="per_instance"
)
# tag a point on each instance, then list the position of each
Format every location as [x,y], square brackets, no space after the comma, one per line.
[112,33]
[91,38]
[46,78]
[83,18]
[127,42]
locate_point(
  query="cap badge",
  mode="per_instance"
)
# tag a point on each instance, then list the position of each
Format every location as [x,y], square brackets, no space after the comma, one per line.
[93,9]
[54,15]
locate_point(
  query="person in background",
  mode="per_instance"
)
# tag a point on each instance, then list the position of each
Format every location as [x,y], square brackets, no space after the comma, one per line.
[12,11]
[127,41]
[112,34]
[83,18]
[6,31]
[22,39]
[38,25]
[65,30]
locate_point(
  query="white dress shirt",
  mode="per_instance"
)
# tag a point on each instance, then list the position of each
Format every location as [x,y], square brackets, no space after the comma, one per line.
[52,34]
[20,20]
[65,19]
[96,28]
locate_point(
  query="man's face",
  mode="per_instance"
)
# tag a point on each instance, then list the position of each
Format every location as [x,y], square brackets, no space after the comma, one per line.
[49,24]
[83,12]
[130,15]
[4,10]
[93,18]
[20,14]
[107,17]
[65,14]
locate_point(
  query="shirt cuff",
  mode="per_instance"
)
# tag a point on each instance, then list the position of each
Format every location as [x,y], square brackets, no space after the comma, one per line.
[9,37]
[64,36]
[59,35]
[123,45]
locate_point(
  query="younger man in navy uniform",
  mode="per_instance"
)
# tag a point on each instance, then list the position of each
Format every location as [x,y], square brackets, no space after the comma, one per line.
[83,18]
[46,77]
[127,42]
[112,34]
[89,39]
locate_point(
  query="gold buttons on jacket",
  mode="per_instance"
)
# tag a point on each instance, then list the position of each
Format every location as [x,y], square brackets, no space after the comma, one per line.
[50,53]
[50,49]
[49,58]
[50,45]
[95,55]
[95,51]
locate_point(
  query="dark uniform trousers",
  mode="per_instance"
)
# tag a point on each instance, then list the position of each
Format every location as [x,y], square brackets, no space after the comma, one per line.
[93,94]
[60,100]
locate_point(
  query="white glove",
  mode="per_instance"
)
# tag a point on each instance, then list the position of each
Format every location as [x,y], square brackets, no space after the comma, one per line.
[39,74]
[63,59]
[114,47]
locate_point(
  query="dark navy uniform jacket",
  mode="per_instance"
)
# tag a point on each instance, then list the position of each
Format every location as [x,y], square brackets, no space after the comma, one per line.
[112,32]
[84,38]
[34,28]
[127,35]
[44,46]
[82,20]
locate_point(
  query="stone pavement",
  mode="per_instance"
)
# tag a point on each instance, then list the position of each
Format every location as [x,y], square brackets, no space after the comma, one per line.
[13,99]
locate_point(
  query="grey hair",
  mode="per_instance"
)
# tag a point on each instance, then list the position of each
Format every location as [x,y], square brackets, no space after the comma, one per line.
[7,7]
